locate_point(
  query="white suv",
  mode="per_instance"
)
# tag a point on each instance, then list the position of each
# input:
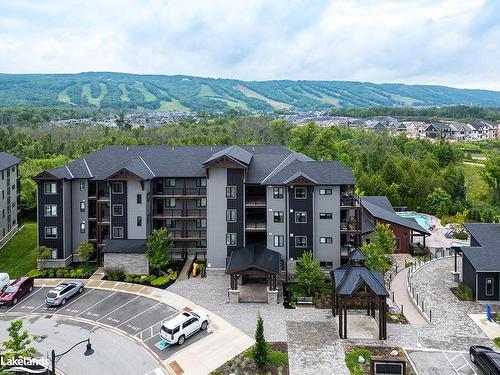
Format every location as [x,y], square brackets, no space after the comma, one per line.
[183,325]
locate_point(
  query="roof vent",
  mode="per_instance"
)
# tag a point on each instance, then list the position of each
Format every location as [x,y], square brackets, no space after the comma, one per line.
[127,148]
[253,148]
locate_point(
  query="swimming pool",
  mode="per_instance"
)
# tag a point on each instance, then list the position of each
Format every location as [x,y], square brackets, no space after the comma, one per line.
[423,220]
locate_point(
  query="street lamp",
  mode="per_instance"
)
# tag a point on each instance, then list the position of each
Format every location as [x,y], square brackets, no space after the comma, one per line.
[89,351]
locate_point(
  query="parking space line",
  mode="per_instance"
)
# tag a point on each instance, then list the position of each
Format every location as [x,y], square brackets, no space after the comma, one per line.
[151,327]
[76,299]
[23,300]
[38,307]
[136,315]
[452,359]
[95,304]
[461,367]
[119,307]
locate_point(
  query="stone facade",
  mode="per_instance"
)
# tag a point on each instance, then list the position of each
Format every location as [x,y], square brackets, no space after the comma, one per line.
[129,263]
[234,296]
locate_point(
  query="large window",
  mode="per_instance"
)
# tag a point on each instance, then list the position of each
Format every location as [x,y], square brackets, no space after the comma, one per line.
[50,232]
[117,232]
[201,182]
[49,188]
[490,287]
[300,193]
[139,198]
[231,215]
[201,202]
[82,206]
[82,227]
[231,192]
[325,240]
[50,210]
[278,216]
[300,217]
[325,215]
[325,191]
[170,202]
[139,221]
[201,223]
[170,182]
[278,192]
[279,241]
[231,239]
[117,187]
[118,210]
[170,223]
[300,241]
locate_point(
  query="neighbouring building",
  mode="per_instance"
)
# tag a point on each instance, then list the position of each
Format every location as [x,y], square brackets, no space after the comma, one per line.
[481,261]
[213,199]
[9,196]
[438,130]
[378,210]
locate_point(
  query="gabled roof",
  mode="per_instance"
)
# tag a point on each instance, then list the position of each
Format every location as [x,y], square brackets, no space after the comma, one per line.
[349,278]
[233,152]
[356,255]
[485,233]
[483,258]
[381,208]
[439,125]
[255,256]
[7,160]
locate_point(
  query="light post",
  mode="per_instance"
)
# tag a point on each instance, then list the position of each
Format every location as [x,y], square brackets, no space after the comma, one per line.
[89,351]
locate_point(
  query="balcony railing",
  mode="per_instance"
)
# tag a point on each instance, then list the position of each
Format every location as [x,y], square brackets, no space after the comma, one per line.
[349,200]
[178,192]
[255,226]
[349,226]
[178,213]
[255,202]
[189,235]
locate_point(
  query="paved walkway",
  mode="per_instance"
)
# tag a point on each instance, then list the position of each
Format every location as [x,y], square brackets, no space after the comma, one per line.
[200,357]
[401,297]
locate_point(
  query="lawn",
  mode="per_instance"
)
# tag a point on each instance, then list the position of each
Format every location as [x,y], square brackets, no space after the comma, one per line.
[16,257]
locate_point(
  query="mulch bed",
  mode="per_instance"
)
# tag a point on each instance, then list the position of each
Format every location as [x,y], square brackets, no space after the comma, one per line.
[384,351]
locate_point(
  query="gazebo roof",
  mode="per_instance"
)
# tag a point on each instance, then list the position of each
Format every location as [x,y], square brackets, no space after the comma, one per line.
[357,255]
[258,257]
[349,278]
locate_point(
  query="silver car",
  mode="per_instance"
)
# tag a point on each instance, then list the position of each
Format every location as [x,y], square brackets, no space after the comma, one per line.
[61,293]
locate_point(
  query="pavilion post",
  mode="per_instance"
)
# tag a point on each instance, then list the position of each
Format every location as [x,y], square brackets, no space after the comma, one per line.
[340,321]
[455,251]
[345,320]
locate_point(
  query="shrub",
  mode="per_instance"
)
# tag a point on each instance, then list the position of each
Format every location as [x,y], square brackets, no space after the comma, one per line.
[261,349]
[351,360]
[160,281]
[496,340]
[463,292]
[36,273]
[278,359]
[462,235]
[115,274]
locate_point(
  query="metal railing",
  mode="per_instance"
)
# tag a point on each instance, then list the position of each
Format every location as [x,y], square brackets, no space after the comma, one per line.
[256,225]
[255,202]
[174,191]
[167,213]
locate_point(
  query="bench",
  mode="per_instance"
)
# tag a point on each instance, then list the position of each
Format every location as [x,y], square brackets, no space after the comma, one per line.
[307,301]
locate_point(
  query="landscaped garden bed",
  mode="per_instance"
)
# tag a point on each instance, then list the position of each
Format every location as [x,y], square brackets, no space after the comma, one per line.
[244,364]
[462,292]
[352,354]
[396,318]
[76,271]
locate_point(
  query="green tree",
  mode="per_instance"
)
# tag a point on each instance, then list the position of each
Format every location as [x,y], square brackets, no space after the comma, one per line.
[383,237]
[261,349]
[439,202]
[159,244]
[491,174]
[19,343]
[382,244]
[42,254]
[85,251]
[309,276]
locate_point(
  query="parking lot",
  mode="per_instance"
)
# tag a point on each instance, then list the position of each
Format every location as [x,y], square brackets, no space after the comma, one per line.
[443,363]
[135,315]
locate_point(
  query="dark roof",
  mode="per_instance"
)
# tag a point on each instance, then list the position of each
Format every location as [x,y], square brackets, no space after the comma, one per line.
[483,258]
[485,233]
[349,278]
[125,246]
[357,255]
[7,160]
[439,126]
[255,256]
[381,208]
[234,152]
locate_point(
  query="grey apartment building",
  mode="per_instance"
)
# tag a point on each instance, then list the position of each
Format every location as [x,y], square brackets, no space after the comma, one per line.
[213,199]
[9,196]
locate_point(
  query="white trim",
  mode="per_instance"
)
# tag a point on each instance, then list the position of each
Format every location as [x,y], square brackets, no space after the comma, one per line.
[71,174]
[274,170]
[88,169]
[147,166]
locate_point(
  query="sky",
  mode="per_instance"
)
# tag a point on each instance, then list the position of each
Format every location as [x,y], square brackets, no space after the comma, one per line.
[446,42]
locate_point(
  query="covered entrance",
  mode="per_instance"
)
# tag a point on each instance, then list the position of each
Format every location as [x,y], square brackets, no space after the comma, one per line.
[253,272]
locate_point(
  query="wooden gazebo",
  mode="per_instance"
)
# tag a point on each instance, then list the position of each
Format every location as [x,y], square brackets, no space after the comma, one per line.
[356,283]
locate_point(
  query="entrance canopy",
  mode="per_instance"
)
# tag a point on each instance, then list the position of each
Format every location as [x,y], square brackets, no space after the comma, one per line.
[125,246]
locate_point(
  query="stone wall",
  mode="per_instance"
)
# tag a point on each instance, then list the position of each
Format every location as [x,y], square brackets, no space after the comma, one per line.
[129,263]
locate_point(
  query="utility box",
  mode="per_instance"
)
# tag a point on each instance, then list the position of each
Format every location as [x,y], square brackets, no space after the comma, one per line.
[388,365]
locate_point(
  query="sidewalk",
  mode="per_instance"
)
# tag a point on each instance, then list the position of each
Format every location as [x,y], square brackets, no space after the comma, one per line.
[202,356]
[401,297]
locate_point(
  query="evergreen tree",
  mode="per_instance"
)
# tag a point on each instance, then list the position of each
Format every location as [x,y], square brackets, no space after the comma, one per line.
[261,349]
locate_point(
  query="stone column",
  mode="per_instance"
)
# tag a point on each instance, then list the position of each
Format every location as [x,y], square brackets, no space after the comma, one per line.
[272,296]
[234,296]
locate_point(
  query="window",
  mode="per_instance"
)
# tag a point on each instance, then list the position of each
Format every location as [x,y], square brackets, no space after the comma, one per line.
[50,188]
[279,241]
[118,210]
[325,191]
[201,223]
[325,215]
[139,221]
[300,217]
[139,198]
[201,243]
[82,206]
[117,187]
[51,232]
[201,202]
[170,223]
[170,182]
[490,289]
[82,227]
[300,193]
[231,215]
[231,192]
[300,241]
[50,210]
[231,239]
[82,185]
[397,244]
[170,202]
[326,264]
[278,192]
[201,182]
[117,232]
[13,187]
[325,240]
[278,216]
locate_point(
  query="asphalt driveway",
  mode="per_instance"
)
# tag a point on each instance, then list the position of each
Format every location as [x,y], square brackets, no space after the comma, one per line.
[135,315]
[443,363]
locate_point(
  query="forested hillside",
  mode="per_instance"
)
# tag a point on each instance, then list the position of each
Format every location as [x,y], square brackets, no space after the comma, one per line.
[413,173]
[119,91]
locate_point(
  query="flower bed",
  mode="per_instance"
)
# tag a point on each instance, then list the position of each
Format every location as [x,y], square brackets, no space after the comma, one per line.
[352,354]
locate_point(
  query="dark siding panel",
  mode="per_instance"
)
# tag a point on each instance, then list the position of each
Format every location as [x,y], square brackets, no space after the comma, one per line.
[120,221]
[235,178]
[57,221]
[481,286]
[469,275]
[305,229]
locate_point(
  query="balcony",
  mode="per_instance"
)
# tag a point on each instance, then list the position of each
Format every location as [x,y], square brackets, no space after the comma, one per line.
[349,201]
[179,214]
[251,202]
[255,226]
[349,226]
[180,192]
[189,235]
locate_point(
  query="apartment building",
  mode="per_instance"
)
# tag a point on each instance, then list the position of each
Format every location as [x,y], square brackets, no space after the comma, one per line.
[213,199]
[9,196]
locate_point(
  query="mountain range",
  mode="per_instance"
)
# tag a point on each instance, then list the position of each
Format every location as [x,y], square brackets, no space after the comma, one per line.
[122,91]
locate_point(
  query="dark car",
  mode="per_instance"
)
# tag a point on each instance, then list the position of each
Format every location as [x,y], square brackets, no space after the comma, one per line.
[486,359]
[16,290]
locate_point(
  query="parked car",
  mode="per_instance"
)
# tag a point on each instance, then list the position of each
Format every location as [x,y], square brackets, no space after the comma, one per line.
[4,281]
[15,291]
[61,293]
[177,329]
[486,359]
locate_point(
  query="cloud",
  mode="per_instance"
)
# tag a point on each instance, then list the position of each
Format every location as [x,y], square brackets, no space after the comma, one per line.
[449,42]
